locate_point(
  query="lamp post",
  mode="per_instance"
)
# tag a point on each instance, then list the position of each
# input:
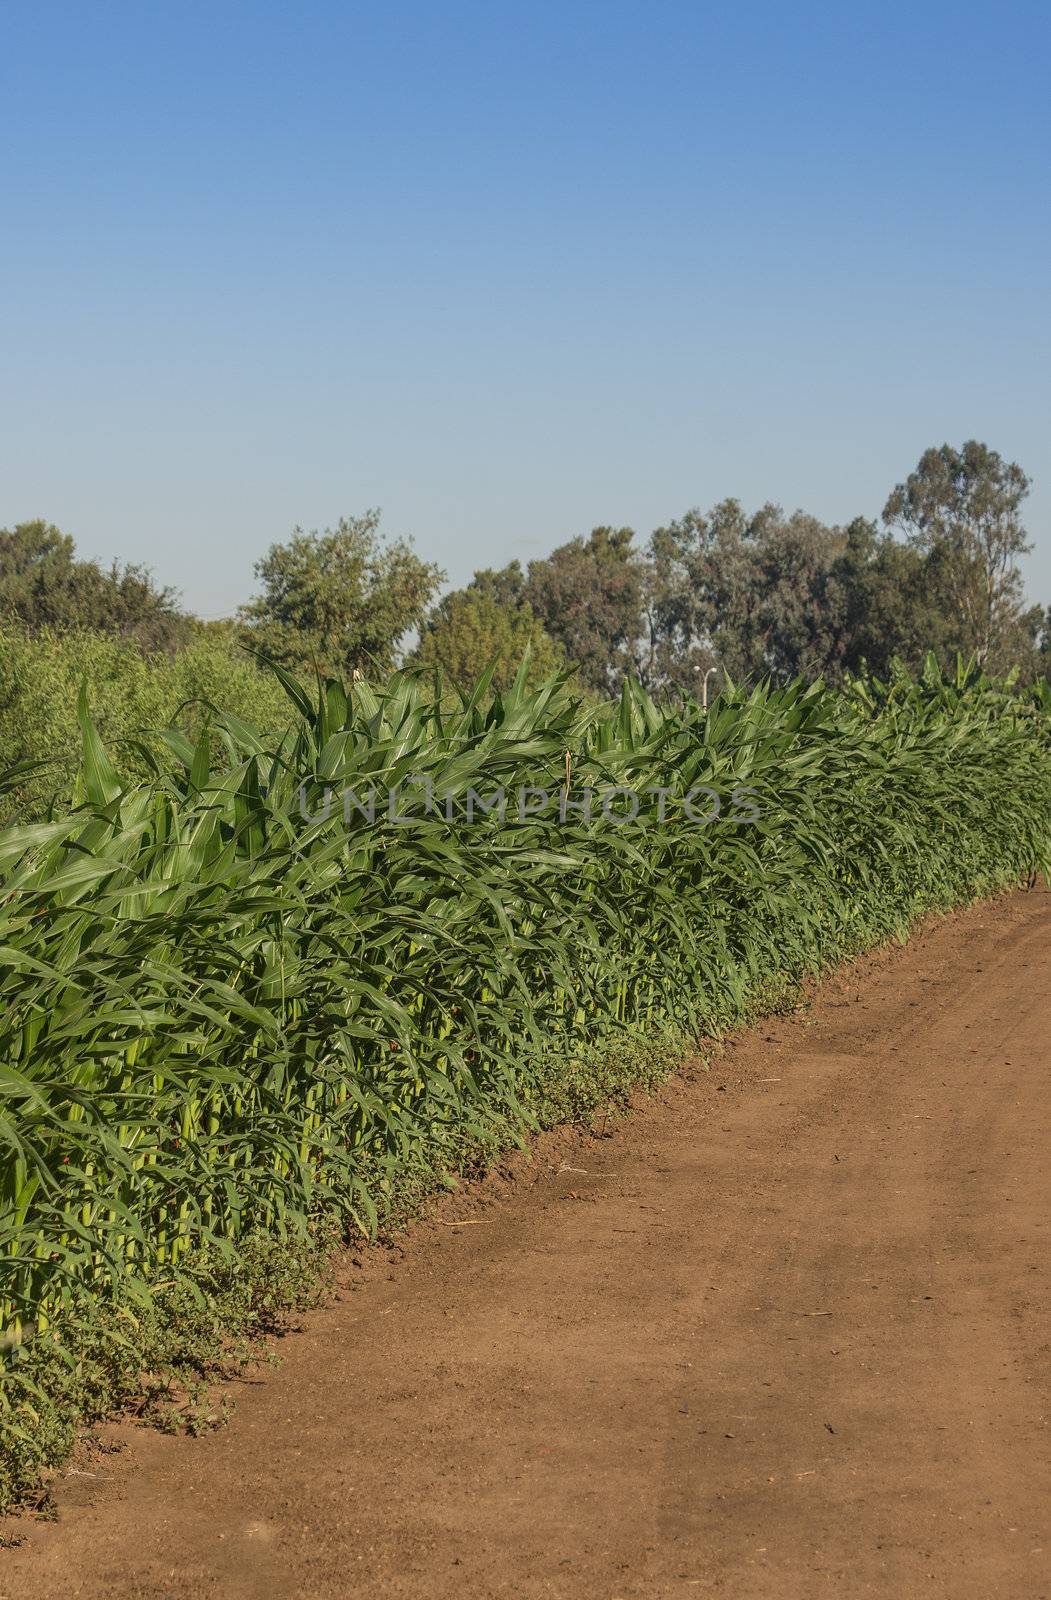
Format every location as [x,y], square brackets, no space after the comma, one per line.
[704,687]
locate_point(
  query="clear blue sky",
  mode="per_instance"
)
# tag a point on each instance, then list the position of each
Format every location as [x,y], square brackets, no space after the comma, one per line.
[509,270]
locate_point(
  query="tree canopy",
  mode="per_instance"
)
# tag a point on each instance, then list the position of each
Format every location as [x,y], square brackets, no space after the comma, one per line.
[587,594]
[341,601]
[472,628]
[963,510]
[43,585]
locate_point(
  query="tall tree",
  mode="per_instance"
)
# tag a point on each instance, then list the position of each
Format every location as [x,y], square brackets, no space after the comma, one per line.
[963,509]
[342,600]
[43,584]
[588,595]
[896,604]
[751,595]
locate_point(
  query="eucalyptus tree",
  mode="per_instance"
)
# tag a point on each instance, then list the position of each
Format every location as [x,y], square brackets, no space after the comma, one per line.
[963,510]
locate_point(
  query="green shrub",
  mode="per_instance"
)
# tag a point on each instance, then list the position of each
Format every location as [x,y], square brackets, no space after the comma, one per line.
[132,697]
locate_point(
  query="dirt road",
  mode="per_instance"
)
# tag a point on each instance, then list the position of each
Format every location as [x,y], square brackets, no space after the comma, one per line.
[783,1334]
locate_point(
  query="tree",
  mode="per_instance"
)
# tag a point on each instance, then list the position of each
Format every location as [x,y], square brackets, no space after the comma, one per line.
[696,597]
[896,605]
[342,600]
[472,627]
[44,586]
[588,596]
[962,508]
[799,615]
[753,595]
[505,585]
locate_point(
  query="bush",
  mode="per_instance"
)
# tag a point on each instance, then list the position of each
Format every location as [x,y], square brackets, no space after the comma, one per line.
[132,696]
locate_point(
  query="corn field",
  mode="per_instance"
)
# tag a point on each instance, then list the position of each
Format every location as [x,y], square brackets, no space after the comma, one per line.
[219,1018]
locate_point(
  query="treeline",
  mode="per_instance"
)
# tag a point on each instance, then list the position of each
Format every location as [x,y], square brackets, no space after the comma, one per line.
[769,595]
[723,593]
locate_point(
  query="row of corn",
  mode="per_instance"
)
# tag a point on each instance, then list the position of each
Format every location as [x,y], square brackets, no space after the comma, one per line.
[243,995]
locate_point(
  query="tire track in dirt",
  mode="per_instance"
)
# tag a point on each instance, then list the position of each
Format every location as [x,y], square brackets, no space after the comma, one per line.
[782,1334]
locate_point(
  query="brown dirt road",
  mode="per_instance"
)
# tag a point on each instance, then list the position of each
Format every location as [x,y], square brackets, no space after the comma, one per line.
[782,1335]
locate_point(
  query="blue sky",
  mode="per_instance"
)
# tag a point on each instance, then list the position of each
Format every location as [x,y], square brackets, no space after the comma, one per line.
[509,270]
